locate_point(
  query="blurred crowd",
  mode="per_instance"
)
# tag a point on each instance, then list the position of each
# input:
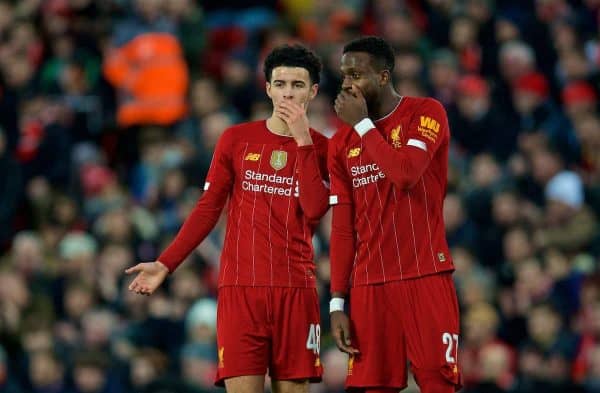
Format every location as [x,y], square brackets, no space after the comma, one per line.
[110,110]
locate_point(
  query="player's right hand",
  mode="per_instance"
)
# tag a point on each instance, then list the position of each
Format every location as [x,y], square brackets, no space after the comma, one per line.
[340,327]
[149,277]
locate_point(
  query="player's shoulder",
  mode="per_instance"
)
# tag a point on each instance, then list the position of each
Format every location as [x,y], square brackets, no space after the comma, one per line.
[423,104]
[341,136]
[242,131]
[319,140]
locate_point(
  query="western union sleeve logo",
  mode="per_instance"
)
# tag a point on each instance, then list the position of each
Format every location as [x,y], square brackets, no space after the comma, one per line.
[429,123]
[429,128]
[252,157]
[354,152]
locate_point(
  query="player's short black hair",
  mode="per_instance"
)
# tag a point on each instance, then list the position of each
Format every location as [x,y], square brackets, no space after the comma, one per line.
[381,52]
[293,56]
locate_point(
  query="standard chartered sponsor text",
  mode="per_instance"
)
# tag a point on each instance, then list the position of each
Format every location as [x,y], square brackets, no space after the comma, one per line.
[280,185]
[371,173]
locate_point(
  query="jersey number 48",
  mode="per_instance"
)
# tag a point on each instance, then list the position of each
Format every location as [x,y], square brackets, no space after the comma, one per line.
[313,342]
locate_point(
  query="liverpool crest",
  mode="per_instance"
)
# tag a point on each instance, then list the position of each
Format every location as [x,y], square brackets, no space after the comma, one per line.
[278,159]
[395,136]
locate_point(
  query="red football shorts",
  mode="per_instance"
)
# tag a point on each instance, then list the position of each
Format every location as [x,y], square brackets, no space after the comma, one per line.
[413,319]
[260,328]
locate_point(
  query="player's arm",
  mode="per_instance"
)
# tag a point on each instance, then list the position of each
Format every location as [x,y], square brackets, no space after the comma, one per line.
[196,227]
[404,166]
[313,179]
[342,251]
[205,214]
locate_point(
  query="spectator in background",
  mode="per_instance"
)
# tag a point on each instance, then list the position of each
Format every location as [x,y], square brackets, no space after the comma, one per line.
[538,115]
[146,65]
[478,126]
[443,75]
[568,225]
[579,98]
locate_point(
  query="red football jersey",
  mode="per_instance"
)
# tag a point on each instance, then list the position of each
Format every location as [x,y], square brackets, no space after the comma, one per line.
[392,181]
[277,192]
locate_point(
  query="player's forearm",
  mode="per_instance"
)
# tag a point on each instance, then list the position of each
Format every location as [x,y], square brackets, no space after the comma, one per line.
[342,249]
[196,227]
[314,194]
[403,167]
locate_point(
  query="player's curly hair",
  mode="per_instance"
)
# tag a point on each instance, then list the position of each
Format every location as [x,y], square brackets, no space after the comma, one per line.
[293,56]
[377,47]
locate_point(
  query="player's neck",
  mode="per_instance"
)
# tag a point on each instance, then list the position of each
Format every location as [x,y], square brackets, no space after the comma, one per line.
[387,103]
[278,126]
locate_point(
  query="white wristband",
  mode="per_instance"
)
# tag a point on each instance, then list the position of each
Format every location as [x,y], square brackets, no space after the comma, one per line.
[363,126]
[336,304]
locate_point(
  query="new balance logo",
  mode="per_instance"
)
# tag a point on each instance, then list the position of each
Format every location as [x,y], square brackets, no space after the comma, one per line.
[252,157]
[354,152]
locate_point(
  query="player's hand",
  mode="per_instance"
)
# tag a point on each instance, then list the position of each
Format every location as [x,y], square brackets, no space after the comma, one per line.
[351,106]
[295,117]
[340,327]
[149,277]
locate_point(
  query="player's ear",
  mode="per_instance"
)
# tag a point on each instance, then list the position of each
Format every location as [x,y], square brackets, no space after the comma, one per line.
[384,77]
[314,89]
[268,89]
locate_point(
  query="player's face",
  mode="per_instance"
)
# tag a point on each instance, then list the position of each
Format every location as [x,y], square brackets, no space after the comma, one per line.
[291,83]
[357,69]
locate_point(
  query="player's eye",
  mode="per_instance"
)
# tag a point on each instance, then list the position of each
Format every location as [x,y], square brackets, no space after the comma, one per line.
[355,75]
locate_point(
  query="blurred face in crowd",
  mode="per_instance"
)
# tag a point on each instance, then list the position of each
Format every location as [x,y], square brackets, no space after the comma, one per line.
[544,165]
[495,362]
[27,254]
[473,106]
[526,102]
[44,370]
[146,367]
[114,258]
[149,9]
[213,126]
[443,74]
[543,325]
[358,69]
[236,72]
[454,214]
[485,170]
[408,65]
[78,299]
[291,84]
[89,379]
[186,285]
[573,65]
[505,208]
[205,97]
[506,30]
[399,30]
[564,36]
[517,245]
[463,33]
[481,323]
[557,264]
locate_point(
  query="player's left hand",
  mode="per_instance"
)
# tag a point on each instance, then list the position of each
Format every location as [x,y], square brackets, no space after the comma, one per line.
[295,117]
[340,329]
[351,106]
